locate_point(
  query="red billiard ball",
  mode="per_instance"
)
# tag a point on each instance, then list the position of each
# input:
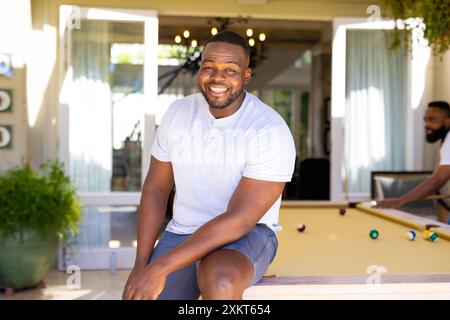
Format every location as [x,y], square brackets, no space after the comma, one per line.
[301,227]
[342,211]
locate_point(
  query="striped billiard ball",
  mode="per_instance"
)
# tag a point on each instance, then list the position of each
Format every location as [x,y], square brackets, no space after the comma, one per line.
[411,235]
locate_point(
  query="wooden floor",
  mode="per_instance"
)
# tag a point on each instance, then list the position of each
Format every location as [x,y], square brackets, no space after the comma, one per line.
[101,285]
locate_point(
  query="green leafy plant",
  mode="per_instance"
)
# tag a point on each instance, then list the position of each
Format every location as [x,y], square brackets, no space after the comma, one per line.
[42,200]
[436,18]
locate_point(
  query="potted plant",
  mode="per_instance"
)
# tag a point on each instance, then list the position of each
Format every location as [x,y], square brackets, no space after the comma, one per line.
[38,208]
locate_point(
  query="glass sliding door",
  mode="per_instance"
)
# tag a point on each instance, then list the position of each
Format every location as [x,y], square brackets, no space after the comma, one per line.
[109,72]
[373,110]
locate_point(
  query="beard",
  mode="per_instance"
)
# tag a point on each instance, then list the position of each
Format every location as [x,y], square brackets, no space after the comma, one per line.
[221,104]
[435,135]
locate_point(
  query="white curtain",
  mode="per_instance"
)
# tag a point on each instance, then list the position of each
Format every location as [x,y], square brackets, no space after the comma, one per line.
[376,108]
[90,134]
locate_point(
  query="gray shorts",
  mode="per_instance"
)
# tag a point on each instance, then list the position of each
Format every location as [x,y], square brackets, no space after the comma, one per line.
[259,246]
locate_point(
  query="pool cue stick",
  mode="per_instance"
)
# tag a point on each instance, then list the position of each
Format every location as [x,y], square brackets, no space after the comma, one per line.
[437,197]
[353,204]
[433,197]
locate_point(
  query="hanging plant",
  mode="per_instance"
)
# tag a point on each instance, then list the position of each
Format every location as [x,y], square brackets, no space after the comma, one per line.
[433,22]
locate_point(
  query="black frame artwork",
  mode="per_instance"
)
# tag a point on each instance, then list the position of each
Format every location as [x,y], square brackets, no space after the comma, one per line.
[6,130]
[6,100]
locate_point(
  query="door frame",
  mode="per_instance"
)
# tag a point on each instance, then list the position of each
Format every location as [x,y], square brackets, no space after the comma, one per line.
[417,62]
[125,256]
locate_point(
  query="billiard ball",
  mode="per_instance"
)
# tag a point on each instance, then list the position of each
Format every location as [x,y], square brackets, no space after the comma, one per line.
[373,234]
[411,235]
[430,235]
[433,236]
[426,233]
[342,211]
[301,227]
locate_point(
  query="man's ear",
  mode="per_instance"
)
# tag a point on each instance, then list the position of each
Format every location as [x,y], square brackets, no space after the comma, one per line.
[447,122]
[248,75]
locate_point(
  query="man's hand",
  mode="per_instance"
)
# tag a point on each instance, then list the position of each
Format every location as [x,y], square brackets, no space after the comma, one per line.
[390,203]
[145,283]
[136,270]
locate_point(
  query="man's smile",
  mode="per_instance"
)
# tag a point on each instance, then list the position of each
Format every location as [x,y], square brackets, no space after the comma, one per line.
[216,90]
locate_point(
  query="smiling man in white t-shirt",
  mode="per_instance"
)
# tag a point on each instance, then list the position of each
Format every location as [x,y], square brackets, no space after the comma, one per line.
[437,126]
[229,156]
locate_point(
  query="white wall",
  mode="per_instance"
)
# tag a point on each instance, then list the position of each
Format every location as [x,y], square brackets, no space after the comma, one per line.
[442,77]
[437,87]
[15,19]
[442,92]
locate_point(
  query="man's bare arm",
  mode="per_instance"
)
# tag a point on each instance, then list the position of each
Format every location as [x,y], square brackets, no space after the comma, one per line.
[155,192]
[440,176]
[250,201]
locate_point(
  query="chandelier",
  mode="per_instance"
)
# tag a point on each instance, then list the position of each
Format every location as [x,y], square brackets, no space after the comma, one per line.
[190,47]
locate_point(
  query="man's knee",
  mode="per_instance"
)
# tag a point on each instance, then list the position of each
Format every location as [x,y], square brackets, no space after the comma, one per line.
[218,280]
[220,284]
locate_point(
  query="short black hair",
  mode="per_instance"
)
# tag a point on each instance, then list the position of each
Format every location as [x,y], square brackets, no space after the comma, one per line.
[440,105]
[230,37]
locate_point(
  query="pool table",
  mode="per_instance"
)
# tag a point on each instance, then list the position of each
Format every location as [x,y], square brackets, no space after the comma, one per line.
[337,249]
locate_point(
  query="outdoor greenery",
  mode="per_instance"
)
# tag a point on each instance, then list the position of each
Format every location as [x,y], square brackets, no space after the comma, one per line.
[127,53]
[176,52]
[41,200]
[436,22]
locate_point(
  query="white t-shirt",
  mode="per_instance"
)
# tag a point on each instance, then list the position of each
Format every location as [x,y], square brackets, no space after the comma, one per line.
[445,151]
[209,156]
